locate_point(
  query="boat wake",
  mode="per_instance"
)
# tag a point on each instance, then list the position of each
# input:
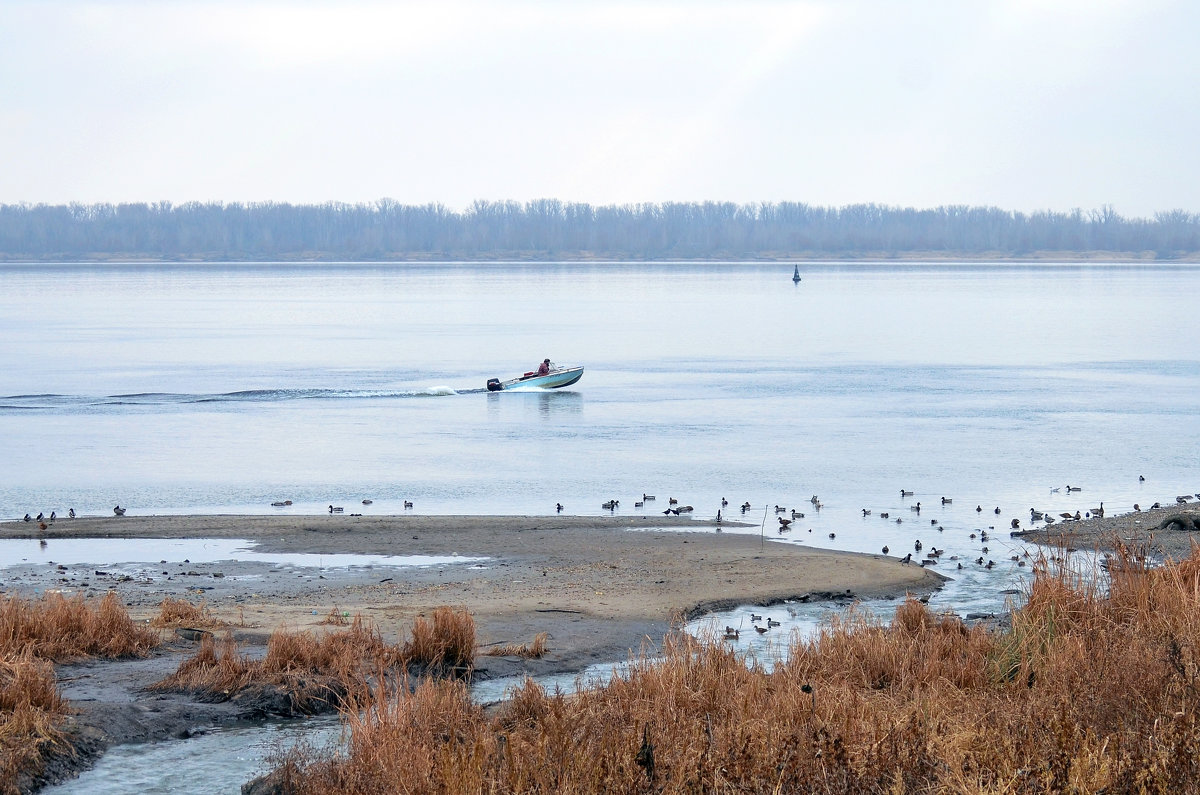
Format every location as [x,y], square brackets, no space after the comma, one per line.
[53,402]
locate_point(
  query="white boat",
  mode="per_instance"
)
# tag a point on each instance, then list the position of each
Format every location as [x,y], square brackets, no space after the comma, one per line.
[556,378]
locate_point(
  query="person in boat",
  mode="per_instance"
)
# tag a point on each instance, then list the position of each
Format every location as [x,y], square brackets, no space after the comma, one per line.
[544,368]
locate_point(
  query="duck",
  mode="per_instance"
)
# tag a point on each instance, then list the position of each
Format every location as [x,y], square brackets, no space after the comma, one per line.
[883,514]
[71,513]
[978,509]
[408,504]
[755,617]
[335,510]
[672,501]
[1141,478]
[28,518]
[772,622]
[833,535]
[52,516]
[797,514]
[780,510]
[760,630]
[558,507]
[639,504]
[732,633]
[885,550]
[866,512]
[118,511]
[905,493]
[947,500]
[1015,524]
[40,516]
[1071,488]
[647,497]
[997,511]
[783,523]
[1036,515]
[915,508]
[724,502]
[611,505]
[1098,512]
[367,502]
[685,509]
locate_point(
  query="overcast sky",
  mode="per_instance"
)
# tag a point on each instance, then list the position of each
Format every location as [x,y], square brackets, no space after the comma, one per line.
[1021,104]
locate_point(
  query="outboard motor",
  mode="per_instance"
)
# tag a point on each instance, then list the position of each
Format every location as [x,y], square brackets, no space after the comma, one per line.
[493,385]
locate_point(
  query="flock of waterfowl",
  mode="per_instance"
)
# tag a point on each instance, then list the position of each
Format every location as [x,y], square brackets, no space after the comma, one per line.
[787,516]
[733,633]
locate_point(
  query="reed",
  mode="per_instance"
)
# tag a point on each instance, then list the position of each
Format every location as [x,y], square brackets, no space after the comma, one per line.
[534,650]
[444,642]
[58,628]
[31,714]
[1095,688]
[182,613]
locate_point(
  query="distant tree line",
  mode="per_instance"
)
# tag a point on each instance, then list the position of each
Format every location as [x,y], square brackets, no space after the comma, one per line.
[551,229]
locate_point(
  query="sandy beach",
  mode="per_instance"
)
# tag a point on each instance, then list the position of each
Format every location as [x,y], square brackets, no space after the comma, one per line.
[598,585]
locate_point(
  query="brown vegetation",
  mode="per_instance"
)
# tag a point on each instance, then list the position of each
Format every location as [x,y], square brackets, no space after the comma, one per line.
[1094,689]
[31,713]
[33,633]
[182,613]
[59,629]
[335,618]
[534,650]
[302,672]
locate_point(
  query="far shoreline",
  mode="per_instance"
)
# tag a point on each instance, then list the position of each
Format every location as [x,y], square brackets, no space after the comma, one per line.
[865,258]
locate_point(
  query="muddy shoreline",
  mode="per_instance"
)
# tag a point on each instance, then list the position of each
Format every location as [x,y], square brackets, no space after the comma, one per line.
[1138,530]
[602,588]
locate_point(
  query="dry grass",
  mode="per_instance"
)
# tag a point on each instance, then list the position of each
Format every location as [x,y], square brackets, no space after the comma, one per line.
[305,672]
[59,629]
[530,651]
[1095,689]
[31,713]
[182,613]
[34,632]
[444,642]
[335,618]
[309,672]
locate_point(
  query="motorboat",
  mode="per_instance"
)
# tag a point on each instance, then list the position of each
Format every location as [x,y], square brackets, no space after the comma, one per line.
[557,377]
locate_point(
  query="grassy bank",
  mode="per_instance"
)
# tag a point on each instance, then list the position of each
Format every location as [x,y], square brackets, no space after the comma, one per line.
[1093,689]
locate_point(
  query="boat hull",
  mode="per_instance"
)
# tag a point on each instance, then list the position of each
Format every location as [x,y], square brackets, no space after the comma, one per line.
[552,380]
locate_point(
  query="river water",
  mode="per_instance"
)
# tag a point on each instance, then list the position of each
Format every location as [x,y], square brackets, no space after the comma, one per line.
[223,388]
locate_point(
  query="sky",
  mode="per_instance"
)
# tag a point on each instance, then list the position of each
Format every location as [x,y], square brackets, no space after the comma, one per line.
[1021,104]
